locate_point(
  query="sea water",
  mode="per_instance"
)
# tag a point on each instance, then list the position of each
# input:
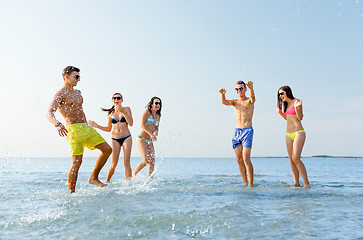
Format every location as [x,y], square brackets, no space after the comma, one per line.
[199,198]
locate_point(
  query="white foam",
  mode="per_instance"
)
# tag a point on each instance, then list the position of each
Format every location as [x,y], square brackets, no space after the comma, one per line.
[41,215]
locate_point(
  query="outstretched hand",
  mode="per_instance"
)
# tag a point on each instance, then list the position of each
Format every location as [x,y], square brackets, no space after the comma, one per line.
[249,84]
[223,91]
[92,123]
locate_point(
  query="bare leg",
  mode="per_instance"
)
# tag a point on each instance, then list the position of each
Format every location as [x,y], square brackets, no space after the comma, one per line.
[141,144]
[151,159]
[242,168]
[248,163]
[106,151]
[116,148]
[294,170]
[296,153]
[73,172]
[127,146]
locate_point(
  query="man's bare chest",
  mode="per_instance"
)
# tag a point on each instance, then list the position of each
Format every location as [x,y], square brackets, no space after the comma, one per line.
[72,100]
[242,106]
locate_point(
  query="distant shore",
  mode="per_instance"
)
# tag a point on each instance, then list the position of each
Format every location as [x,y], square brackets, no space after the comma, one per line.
[314,156]
[91,157]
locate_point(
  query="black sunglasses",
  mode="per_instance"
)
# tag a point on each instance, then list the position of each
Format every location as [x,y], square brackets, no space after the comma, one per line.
[116,98]
[77,77]
[69,70]
[241,89]
[281,93]
[157,103]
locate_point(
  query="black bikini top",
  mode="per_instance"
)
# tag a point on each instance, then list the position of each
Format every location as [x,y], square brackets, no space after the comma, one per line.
[115,120]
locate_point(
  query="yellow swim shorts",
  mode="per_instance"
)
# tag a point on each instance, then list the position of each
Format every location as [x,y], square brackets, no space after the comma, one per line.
[81,135]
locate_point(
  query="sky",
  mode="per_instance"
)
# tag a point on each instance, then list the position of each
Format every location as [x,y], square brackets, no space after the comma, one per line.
[184,52]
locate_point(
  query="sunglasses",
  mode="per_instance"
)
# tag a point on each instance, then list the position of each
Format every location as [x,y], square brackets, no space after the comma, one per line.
[157,103]
[241,89]
[116,98]
[77,77]
[69,70]
[281,93]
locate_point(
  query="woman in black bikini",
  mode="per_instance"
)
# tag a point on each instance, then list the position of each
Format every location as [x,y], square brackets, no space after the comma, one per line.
[119,118]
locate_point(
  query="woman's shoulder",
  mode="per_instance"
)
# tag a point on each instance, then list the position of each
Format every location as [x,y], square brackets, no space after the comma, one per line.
[146,114]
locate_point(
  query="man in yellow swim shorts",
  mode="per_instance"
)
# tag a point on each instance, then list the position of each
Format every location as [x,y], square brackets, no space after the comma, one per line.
[77,132]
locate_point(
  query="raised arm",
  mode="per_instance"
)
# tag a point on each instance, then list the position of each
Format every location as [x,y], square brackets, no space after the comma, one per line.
[224,100]
[252,98]
[298,109]
[107,128]
[126,111]
[56,102]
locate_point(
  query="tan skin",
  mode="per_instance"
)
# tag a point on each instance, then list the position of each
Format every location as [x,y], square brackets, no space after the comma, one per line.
[118,130]
[150,132]
[243,109]
[294,147]
[69,103]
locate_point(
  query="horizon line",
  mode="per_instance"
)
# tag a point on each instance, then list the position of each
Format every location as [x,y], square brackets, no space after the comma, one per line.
[313,156]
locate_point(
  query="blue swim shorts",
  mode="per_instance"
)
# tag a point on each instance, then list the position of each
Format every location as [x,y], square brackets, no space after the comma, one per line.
[243,136]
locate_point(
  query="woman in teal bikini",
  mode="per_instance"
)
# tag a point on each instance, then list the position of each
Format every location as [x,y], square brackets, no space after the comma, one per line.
[290,109]
[119,118]
[149,133]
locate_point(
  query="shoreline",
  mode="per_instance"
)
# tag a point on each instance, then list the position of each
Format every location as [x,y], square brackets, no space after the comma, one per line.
[90,157]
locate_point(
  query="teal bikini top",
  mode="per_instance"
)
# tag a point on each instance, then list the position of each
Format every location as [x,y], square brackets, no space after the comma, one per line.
[151,121]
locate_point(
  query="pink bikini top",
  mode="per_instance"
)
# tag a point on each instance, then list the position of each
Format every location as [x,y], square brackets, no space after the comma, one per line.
[291,110]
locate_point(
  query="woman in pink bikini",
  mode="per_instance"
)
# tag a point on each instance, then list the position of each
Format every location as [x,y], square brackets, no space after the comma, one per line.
[290,109]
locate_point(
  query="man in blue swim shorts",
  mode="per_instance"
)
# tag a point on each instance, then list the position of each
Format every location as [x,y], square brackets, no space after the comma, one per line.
[243,135]
[78,133]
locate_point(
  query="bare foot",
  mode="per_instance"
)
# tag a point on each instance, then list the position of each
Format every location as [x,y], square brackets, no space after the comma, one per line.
[251,185]
[296,185]
[307,186]
[96,182]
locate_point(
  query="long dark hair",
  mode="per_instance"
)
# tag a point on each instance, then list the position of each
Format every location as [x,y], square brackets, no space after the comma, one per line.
[288,92]
[158,112]
[112,109]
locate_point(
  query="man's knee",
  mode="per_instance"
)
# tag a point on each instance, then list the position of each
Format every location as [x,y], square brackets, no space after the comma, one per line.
[247,159]
[107,150]
[239,159]
[76,161]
